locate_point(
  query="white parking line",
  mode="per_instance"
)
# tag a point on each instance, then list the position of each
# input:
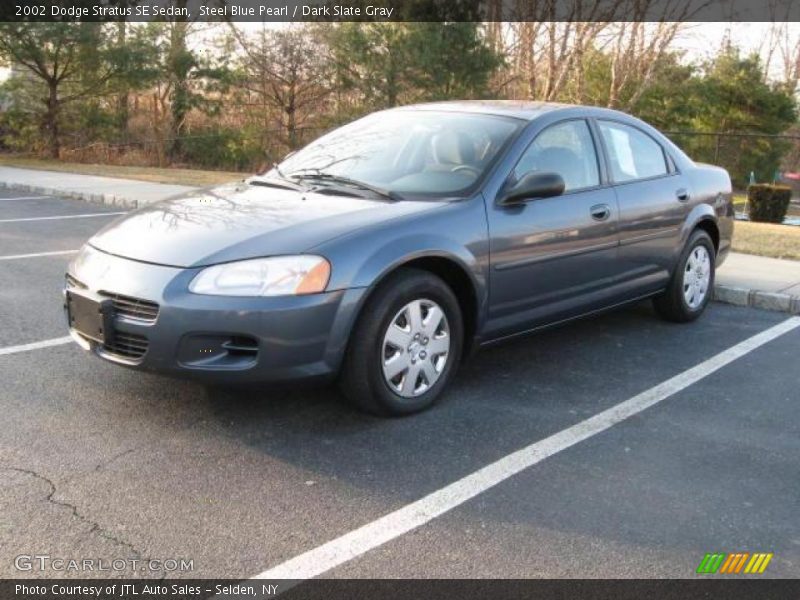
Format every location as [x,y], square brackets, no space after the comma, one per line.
[55,218]
[35,345]
[55,253]
[355,543]
[26,198]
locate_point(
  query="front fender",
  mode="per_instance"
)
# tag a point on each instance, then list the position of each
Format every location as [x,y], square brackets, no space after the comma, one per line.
[404,250]
[456,232]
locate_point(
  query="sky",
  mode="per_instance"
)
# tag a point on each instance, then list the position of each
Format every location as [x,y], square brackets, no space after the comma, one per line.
[702,40]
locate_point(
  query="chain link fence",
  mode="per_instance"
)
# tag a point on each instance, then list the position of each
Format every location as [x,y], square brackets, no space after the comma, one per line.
[765,158]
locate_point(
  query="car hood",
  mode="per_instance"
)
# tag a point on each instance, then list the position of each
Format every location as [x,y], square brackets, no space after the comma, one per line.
[239,221]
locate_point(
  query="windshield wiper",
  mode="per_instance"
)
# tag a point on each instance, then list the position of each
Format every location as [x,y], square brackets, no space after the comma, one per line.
[346,181]
[279,182]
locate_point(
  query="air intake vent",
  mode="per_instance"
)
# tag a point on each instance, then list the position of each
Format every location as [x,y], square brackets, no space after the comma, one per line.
[241,346]
[127,345]
[74,283]
[135,308]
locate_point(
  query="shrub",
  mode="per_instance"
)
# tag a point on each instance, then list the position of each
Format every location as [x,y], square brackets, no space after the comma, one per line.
[222,148]
[768,203]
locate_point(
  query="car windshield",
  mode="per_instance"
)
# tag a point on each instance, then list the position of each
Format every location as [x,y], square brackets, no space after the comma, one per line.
[404,152]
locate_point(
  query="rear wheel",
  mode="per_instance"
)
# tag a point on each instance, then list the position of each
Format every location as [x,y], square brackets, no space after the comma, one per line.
[692,284]
[405,347]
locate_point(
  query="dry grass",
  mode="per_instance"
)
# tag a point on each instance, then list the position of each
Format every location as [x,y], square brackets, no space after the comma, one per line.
[764,239]
[153,174]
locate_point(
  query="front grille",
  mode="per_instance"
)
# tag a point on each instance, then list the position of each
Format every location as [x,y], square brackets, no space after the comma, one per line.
[127,345]
[135,308]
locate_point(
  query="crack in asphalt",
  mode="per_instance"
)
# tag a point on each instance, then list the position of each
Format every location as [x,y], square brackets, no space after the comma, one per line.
[103,463]
[95,527]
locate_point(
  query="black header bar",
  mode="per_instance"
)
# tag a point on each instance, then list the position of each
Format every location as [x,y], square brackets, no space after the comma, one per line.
[400,10]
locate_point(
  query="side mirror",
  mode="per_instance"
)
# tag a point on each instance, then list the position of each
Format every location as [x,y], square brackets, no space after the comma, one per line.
[536,184]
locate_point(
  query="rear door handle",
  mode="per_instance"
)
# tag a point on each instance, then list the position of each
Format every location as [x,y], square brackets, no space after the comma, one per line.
[682,194]
[600,212]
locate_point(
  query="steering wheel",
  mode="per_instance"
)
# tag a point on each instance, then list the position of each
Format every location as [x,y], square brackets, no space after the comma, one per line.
[469,168]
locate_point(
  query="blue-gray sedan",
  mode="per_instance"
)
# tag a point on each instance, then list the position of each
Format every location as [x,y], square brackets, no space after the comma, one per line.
[385,251]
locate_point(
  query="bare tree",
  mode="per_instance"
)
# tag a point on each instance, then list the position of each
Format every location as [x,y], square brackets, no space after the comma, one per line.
[790,59]
[638,45]
[783,40]
[287,71]
[550,41]
[781,43]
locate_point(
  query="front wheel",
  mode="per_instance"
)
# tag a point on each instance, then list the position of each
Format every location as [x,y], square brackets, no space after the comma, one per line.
[405,347]
[692,284]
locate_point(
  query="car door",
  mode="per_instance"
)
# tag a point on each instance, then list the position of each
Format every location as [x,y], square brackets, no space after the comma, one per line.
[653,199]
[552,258]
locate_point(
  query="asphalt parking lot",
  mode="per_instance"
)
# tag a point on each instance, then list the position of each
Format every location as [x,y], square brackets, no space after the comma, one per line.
[102,462]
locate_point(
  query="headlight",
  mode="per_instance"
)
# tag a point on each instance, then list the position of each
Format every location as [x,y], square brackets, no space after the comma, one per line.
[276,276]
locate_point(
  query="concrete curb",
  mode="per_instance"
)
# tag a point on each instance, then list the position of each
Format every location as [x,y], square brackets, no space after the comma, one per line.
[757,299]
[106,199]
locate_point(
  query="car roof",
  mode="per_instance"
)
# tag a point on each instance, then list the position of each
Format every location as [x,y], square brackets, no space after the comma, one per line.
[519,109]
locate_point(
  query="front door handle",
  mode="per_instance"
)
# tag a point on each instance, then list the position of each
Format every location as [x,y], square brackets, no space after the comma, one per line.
[600,212]
[682,194]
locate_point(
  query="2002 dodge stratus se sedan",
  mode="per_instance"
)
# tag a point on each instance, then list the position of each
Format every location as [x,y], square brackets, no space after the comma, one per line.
[386,250]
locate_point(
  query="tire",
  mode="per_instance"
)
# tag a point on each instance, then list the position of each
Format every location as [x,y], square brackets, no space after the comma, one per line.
[692,274]
[374,353]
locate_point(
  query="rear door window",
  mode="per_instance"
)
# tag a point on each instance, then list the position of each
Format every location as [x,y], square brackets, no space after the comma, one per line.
[632,153]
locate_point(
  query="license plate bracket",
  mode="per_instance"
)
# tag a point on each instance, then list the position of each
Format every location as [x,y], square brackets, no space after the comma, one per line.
[89,317]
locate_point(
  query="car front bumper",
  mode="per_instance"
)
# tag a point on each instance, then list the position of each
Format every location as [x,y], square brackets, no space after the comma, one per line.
[156,324]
